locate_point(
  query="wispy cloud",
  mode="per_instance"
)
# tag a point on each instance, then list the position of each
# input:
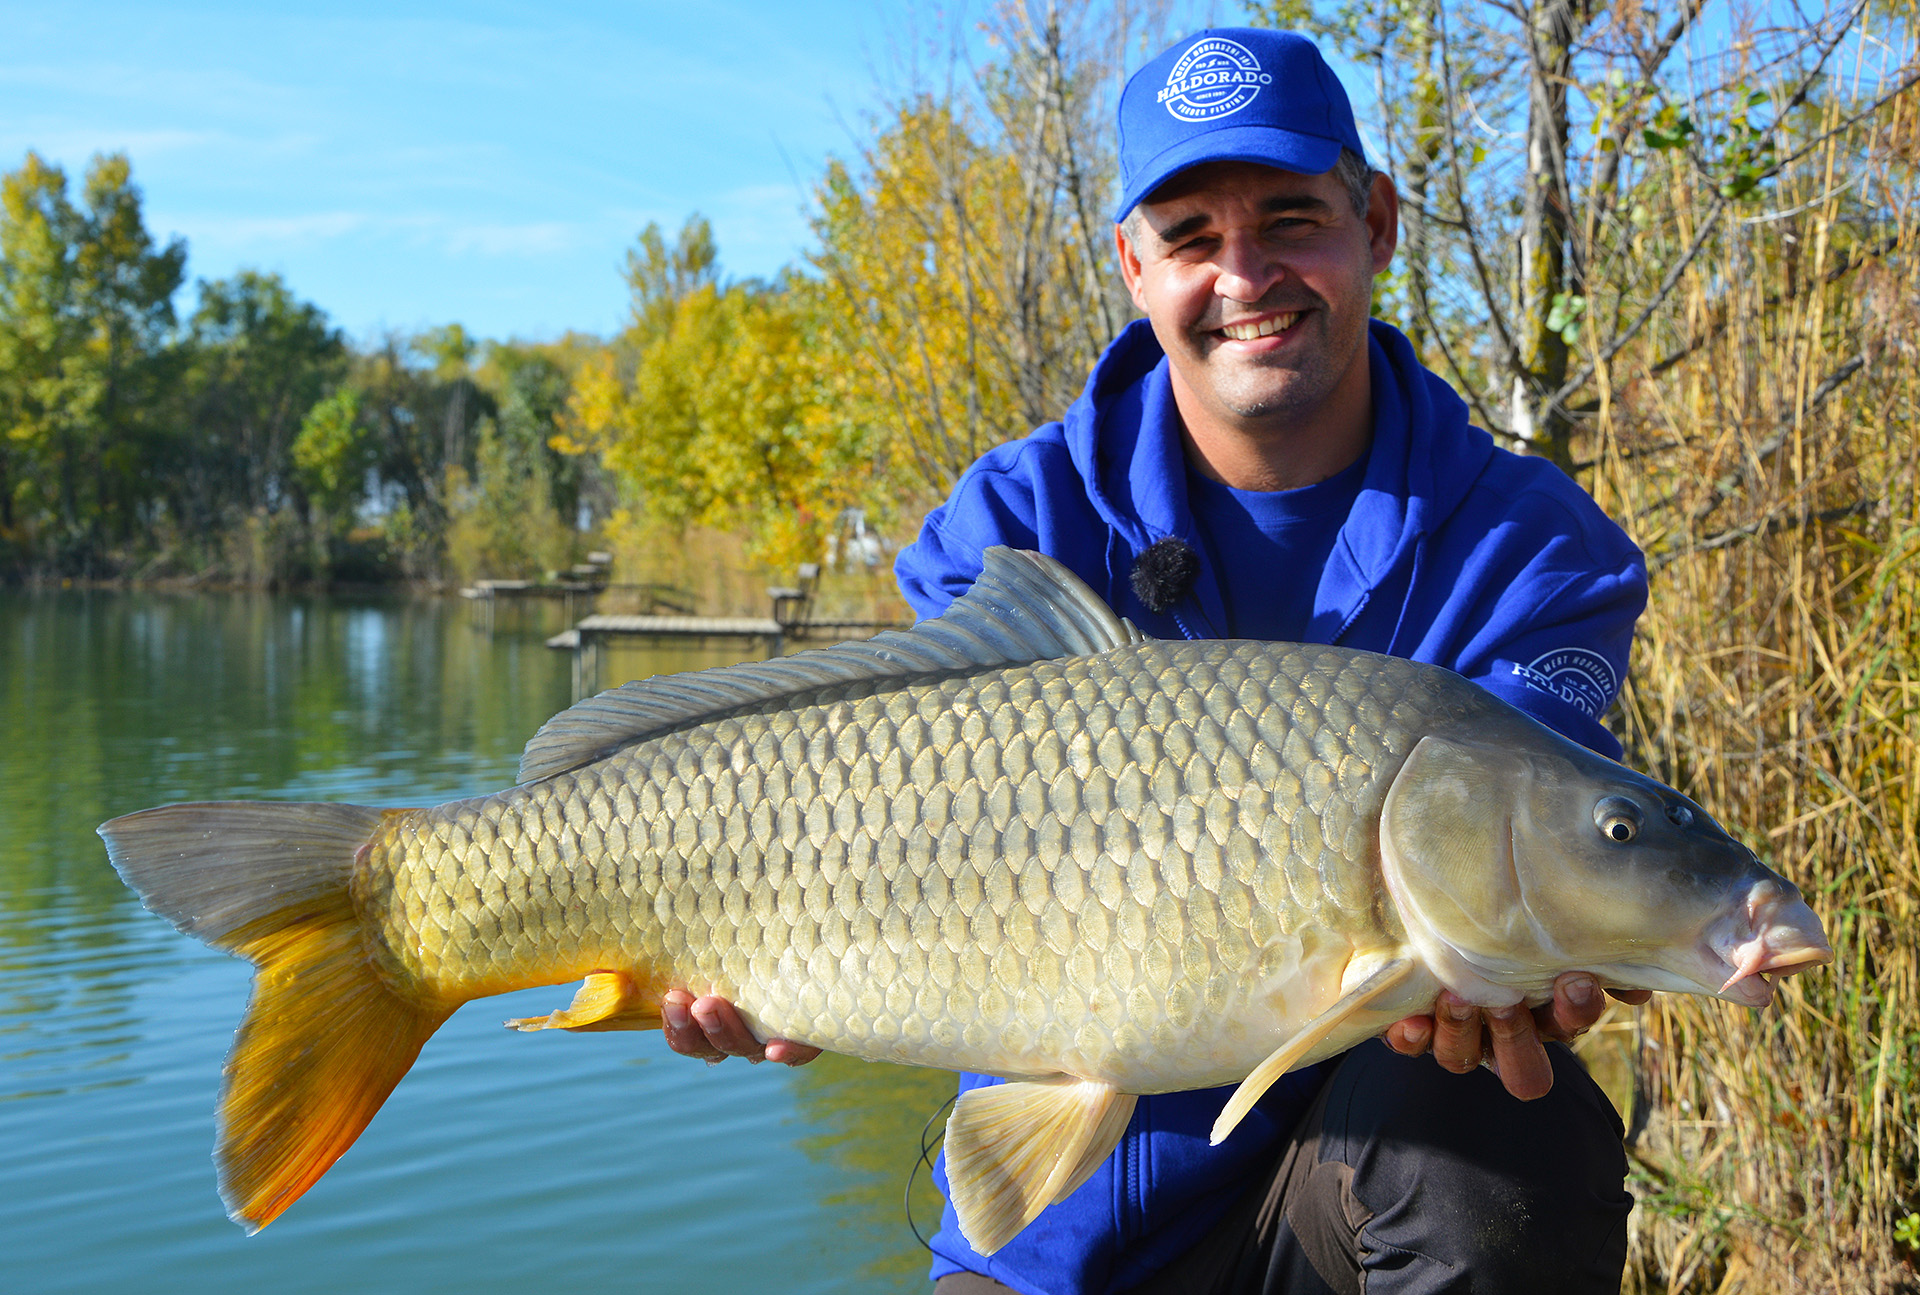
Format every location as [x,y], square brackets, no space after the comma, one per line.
[268,232]
[543,237]
[272,236]
[71,144]
[429,161]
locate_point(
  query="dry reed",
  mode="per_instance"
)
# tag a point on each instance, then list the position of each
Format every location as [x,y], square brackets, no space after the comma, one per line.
[1761,441]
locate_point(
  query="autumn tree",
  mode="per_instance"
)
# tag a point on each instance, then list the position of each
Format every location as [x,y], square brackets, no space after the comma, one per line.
[721,404]
[966,254]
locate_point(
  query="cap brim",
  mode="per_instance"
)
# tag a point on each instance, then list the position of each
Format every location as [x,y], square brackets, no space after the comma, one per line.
[1285,150]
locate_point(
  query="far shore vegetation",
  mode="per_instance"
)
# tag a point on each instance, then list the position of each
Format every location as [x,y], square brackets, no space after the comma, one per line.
[1670,247]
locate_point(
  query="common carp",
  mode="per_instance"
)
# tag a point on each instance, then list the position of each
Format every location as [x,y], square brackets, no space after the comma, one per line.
[1021,839]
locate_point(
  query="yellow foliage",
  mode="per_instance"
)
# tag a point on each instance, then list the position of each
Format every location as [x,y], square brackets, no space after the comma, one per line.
[960,295]
[725,420]
[958,286]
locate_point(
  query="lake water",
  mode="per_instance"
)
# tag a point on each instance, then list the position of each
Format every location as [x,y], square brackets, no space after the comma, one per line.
[504,1162]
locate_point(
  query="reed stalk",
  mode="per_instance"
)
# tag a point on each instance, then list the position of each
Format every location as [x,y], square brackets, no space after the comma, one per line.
[1761,440]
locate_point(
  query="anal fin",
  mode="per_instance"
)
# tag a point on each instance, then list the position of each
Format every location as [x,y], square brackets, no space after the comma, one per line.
[607,1000]
[1014,1149]
[1302,1041]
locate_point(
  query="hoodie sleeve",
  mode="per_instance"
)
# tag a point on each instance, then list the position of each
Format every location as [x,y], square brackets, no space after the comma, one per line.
[940,565]
[1531,591]
[1564,664]
[1024,494]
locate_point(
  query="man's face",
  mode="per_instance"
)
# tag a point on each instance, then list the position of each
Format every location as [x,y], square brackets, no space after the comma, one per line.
[1258,283]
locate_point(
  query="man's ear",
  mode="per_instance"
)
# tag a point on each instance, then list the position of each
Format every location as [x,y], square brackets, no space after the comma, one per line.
[1383,220]
[1129,266]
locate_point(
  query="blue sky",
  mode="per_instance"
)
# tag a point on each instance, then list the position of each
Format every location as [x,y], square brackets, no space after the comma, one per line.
[487,163]
[408,164]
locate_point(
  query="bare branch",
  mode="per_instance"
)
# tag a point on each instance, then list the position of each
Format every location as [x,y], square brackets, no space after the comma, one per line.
[1769,525]
[1510,354]
[1720,203]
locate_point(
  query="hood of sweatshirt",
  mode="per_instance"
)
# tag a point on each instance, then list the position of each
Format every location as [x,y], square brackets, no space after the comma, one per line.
[1424,459]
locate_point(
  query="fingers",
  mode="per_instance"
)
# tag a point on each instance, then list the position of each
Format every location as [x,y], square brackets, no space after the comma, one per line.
[1519,1058]
[1456,1033]
[1509,1039]
[1410,1037]
[1464,1034]
[1577,1004]
[789,1053]
[685,1036]
[710,1028]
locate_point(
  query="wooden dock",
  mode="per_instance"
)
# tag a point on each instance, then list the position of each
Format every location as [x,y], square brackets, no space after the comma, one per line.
[589,637]
[485,595]
[671,618]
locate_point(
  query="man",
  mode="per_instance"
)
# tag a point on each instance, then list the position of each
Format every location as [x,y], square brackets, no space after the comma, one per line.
[1258,459]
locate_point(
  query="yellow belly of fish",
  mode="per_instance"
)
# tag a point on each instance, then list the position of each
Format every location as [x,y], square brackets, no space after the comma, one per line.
[1095,867]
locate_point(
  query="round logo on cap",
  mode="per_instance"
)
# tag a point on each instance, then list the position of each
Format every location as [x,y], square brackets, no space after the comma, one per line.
[1214,78]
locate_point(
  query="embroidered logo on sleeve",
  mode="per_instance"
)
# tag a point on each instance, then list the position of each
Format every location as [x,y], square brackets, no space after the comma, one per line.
[1582,679]
[1215,78]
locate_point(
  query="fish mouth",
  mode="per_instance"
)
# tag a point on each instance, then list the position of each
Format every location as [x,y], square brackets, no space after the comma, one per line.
[1755,975]
[1776,936]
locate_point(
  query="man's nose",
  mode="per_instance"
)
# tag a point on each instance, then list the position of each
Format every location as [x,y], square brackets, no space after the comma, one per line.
[1248,270]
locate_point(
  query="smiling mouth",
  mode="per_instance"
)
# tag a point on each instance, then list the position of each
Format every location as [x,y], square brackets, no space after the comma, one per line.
[1260,327]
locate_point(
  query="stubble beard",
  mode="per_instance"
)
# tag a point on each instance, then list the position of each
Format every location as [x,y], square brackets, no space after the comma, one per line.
[1278,389]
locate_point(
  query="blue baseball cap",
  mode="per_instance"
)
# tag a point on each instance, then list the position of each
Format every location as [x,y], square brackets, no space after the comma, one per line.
[1231,94]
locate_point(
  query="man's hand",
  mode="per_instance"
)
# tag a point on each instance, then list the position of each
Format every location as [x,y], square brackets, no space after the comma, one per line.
[711,1029]
[1460,1034]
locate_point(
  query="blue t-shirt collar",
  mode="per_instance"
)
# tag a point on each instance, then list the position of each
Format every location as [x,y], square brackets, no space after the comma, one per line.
[1125,433]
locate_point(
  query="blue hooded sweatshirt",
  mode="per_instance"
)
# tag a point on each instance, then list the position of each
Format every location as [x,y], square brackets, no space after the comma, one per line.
[1454,552]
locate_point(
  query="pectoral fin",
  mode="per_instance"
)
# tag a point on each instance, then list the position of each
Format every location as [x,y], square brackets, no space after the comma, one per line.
[607,1000]
[1303,1041]
[1014,1149]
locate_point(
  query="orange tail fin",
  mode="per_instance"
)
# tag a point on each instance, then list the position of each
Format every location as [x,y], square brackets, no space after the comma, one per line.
[326,1036]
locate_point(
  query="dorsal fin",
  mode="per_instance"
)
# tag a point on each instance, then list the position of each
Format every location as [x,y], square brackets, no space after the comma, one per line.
[1024,607]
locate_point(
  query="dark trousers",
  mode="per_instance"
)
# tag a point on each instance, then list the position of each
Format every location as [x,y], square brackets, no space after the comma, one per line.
[1404,1179]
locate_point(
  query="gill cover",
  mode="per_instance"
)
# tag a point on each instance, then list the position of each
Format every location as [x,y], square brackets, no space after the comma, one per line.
[1446,846]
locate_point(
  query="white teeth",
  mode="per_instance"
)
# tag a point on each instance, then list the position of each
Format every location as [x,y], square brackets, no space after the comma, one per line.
[1265,328]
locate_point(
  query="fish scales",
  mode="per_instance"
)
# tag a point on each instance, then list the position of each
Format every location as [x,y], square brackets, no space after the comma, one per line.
[1016,839]
[1069,865]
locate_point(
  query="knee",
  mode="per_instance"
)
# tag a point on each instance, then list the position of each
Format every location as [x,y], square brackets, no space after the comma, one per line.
[1452,1171]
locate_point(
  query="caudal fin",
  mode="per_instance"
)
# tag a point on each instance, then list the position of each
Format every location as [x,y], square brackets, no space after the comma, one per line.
[325,1037]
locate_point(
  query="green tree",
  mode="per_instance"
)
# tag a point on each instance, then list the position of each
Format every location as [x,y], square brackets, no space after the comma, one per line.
[258,359]
[532,386]
[332,456]
[85,312]
[40,327]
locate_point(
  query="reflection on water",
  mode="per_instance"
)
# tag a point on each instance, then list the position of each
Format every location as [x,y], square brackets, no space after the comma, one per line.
[870,1119]
[504,1162]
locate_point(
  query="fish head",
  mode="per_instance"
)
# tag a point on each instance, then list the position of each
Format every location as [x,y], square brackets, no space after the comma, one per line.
[1514,860]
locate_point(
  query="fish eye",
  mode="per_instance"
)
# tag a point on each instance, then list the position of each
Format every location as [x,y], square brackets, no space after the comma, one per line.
[1617,818]
[1679,816]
